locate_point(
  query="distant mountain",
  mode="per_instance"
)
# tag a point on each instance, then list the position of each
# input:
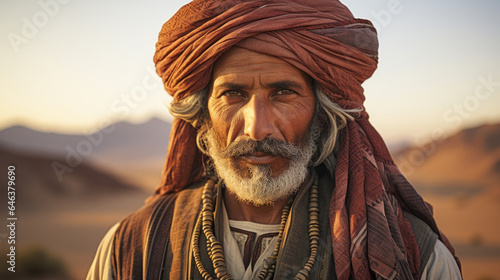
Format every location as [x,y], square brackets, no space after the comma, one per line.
[146,137]
[466,163]
[41,180]
[135,152]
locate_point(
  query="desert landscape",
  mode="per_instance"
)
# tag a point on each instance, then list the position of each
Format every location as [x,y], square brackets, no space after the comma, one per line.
[460,177]
[62,222]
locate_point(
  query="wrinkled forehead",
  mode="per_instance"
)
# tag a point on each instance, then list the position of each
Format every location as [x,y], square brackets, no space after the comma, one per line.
[238,64]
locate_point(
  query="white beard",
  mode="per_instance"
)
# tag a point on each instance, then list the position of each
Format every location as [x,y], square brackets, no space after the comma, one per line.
[260,188]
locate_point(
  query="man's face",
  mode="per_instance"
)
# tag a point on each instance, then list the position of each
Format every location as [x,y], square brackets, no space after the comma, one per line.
[256,97]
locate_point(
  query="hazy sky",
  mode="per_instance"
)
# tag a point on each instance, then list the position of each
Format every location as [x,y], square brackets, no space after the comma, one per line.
[72,65]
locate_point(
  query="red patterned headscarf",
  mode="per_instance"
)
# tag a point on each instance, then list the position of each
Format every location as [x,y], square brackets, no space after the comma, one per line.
[370,236]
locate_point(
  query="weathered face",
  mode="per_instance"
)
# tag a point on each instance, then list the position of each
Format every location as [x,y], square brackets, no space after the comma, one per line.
[256,96]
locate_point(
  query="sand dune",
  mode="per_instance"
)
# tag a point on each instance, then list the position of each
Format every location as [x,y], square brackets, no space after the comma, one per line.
[460,177]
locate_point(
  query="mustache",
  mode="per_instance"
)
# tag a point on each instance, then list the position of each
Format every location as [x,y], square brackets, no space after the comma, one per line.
[270,146]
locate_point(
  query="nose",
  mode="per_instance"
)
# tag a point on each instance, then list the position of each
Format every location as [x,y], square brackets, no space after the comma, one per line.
[259,119]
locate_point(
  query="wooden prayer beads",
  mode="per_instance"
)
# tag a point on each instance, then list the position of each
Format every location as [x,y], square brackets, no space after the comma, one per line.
[206,220]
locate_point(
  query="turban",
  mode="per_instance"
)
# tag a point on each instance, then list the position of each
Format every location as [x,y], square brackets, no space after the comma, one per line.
[370,235]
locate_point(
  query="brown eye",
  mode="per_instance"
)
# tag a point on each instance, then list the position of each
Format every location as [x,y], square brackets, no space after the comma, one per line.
[233,93]
[285,92]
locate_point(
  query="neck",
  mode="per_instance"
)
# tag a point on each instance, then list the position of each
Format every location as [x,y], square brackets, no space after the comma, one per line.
[244,211]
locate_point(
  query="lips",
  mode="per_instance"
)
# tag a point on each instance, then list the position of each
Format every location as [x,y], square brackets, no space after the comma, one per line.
[259,158]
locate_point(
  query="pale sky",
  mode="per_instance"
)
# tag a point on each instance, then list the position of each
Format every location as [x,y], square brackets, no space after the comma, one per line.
[70,66]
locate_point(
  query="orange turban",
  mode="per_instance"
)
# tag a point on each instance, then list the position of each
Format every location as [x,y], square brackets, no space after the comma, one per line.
[370,236]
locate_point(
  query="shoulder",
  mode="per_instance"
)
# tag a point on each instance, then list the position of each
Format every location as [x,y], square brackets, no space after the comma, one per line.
[130,231]
[139,219]
[101,265]
[127,241]
[156,213]
[441,264]
[155,210]
[436,260]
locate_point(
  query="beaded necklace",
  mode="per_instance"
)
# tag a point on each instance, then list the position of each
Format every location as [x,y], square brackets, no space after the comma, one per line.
[206,220]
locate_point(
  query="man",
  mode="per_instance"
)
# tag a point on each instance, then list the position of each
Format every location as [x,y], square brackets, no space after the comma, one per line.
[273,170]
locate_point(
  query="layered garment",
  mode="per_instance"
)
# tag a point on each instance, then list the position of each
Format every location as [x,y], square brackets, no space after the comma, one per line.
[156,241]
